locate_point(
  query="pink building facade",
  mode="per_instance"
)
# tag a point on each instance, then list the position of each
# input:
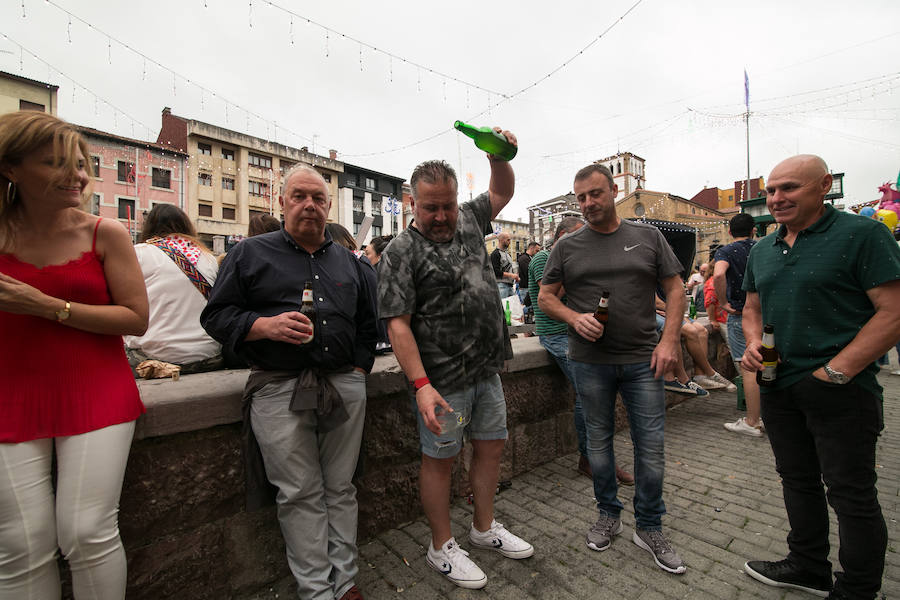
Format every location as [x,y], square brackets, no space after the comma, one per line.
[130,176]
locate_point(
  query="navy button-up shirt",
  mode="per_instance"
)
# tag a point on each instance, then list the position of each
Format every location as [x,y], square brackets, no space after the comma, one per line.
[263,276]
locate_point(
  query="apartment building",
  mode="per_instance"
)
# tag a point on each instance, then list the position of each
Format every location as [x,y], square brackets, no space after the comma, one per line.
[230,176]
[131,176]
[21,93]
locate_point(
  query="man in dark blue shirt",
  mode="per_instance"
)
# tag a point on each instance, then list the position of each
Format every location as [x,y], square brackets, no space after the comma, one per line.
[728,277]
[309,447]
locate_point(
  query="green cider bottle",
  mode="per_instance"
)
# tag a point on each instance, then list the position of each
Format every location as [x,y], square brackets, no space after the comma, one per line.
[692,310]
[507,314]
[488,140]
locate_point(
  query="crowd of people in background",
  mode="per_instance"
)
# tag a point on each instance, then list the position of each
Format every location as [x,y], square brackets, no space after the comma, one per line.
[307,311]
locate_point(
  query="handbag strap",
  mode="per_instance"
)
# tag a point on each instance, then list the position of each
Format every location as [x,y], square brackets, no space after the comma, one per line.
[195,276]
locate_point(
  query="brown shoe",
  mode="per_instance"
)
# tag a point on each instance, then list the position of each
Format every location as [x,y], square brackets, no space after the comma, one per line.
[352,594]
[584,467]
[624,477]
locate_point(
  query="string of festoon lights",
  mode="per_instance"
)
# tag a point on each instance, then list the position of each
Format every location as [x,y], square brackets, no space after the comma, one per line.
[231,109]
[98,100]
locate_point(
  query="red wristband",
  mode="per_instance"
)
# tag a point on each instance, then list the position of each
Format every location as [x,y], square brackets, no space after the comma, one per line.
[420,383]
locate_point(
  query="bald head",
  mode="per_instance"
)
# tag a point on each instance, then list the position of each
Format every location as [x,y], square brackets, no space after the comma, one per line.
[809,165]
[503,240]
[796,189]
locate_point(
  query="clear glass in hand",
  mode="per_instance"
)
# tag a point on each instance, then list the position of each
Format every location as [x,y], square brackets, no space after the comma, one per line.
[450,421]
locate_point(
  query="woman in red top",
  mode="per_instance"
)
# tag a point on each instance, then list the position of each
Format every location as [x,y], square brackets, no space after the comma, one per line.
[70,287]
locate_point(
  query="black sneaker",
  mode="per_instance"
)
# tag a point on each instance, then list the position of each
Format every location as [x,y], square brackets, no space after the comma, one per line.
[786,574]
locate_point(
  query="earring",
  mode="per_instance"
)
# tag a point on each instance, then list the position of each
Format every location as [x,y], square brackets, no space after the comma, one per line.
[10,192]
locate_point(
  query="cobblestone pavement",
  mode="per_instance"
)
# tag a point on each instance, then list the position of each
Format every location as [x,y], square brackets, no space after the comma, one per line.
[724,507]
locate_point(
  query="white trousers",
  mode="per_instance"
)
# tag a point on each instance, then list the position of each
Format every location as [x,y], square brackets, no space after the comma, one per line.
[81,520]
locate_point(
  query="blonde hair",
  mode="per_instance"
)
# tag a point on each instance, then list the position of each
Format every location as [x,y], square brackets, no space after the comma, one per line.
[23,133]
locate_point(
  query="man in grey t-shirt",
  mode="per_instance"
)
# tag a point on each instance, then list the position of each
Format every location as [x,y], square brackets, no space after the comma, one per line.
[628,260]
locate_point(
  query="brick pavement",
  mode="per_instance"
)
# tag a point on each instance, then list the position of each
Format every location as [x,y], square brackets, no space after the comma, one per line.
[724,507]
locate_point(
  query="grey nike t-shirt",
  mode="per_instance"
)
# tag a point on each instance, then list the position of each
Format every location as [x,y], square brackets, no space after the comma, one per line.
[628,263]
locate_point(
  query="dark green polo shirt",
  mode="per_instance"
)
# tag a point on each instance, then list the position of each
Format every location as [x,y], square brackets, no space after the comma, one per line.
[814,293]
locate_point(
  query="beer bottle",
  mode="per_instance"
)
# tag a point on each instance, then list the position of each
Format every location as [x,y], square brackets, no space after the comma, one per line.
[507,314]
[692,310]
[602,312]
[488,140]
[308,308]
[766,377]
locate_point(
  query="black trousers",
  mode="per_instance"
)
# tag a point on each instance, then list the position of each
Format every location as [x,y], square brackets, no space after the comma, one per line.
[823,431]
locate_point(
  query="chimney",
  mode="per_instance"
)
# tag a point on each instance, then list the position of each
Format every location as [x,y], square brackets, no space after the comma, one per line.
[332,154]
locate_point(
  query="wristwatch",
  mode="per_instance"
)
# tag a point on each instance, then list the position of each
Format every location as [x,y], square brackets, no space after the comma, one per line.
[836,376]
[64,313]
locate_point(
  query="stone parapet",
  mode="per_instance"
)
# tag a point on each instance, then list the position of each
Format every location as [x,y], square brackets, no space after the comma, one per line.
[182,516]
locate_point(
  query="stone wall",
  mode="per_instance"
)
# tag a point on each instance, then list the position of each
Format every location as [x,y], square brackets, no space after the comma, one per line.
[182,514]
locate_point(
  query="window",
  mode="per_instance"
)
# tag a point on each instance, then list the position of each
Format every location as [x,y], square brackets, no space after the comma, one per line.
[205,179]
[228,153]
[639,210]
[205,149]
[26,105]
[350,180]
[258,188]
[162,178]
[376,206]
[257,160]
[326,177]
[228,213]
[370,183]
[125,172]
[95,165]
[204,210]
[126,208]
[285,166]
[227,183]
[357,205]
[376,231]
[95,204]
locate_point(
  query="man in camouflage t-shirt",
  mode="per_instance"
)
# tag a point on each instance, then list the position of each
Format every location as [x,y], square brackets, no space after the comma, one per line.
[436,289]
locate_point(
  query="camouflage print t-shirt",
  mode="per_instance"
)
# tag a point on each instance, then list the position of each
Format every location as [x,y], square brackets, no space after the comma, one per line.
[449,291]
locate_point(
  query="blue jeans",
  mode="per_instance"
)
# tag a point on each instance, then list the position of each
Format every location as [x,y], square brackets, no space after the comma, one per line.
[558,347]
[821,431]
[522,293]
[736,343]
[645,401]
[505,289]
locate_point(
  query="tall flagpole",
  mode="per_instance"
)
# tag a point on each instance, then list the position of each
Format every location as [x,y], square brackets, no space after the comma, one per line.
[747,117]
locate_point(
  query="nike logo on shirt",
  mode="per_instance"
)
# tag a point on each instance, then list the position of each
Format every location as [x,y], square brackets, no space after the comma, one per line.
[630,248]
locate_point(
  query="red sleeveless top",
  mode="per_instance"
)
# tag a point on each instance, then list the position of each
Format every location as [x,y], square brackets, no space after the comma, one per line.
[56,380]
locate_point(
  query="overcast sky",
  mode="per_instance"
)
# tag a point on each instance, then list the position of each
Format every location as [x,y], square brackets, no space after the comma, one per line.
[666,81]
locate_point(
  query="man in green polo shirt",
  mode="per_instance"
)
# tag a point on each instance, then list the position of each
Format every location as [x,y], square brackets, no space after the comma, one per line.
[829,283]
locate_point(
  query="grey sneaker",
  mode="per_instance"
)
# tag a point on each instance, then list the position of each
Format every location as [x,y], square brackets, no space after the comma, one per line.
[656,544]
[709,382]
[729,386]
[601,533]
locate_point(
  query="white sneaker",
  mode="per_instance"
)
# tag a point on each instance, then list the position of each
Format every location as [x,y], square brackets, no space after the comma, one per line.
[499,539]
[709,382]
[454,563]
[729,386]
[741,426]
